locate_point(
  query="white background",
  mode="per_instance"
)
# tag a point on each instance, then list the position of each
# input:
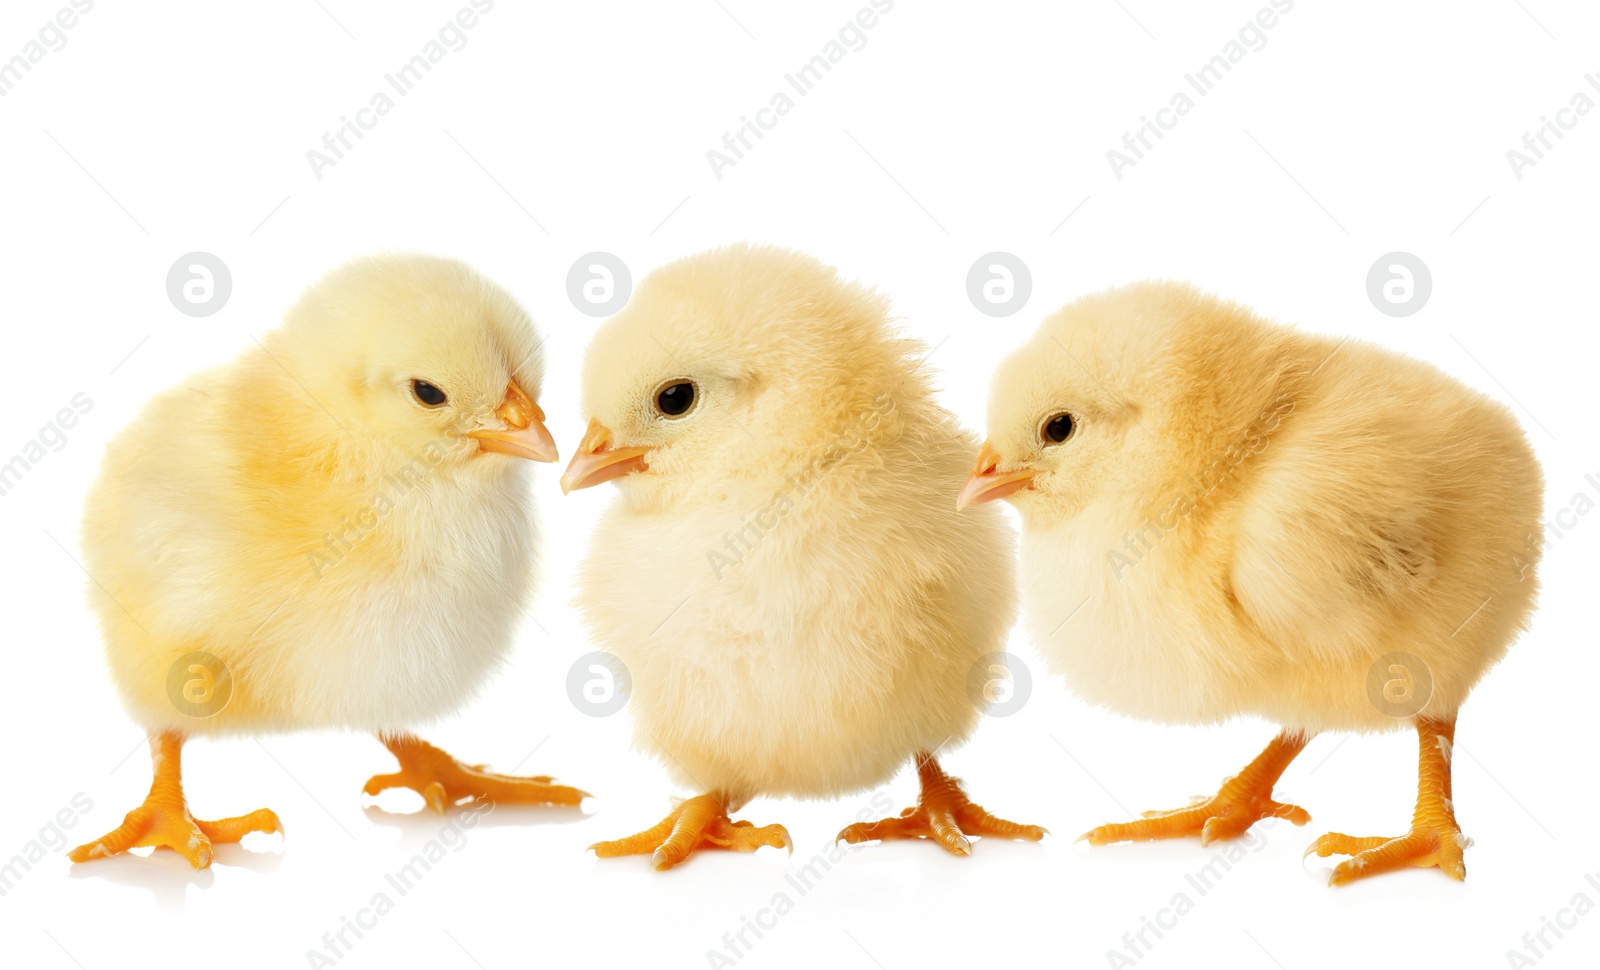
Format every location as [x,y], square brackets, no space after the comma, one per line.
[1361,128]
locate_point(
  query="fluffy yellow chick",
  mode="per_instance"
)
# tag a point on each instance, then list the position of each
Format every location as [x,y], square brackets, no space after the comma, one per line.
[333,530]
[785,576]
[1242,519]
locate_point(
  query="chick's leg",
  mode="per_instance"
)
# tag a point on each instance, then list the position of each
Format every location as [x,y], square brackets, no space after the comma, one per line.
[943,813]
[1434,839]
[164,819]
[442,780]
[1243,800]
[697,822]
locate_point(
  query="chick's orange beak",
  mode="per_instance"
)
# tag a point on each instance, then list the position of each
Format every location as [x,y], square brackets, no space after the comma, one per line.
[524,435]
[596,461]
[987,483]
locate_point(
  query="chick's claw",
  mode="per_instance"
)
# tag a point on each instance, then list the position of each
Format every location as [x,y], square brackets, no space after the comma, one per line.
[443,781]
[1435,841]
[1220,817]
[1242,801]
[697,822]
[165,821]
[944,814]
[1369,856]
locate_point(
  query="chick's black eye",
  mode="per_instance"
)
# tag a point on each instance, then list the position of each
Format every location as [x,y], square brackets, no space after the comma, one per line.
[1058,428]
[675,399]
[428,394]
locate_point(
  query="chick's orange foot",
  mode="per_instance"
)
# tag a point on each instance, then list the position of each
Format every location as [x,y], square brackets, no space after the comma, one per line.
[698,822]
[1440,847]
[442,780]
[1241,802]
[164,819]
[1435,841]
[943,813]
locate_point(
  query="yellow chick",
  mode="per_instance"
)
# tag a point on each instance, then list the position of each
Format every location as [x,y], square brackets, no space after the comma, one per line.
[785,576]
[332,531]
[1242,519]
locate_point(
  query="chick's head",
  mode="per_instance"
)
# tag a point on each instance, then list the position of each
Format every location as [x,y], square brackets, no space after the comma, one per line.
[731,364]
[413,355]
[1071,411]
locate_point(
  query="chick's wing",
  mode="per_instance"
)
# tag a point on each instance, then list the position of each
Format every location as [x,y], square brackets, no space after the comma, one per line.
[1337,534]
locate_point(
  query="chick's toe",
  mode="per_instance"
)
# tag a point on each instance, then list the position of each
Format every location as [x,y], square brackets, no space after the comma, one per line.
[163,820]
[944,814]
[443,781]
[1435,840]
[1241,802]
[698,822]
